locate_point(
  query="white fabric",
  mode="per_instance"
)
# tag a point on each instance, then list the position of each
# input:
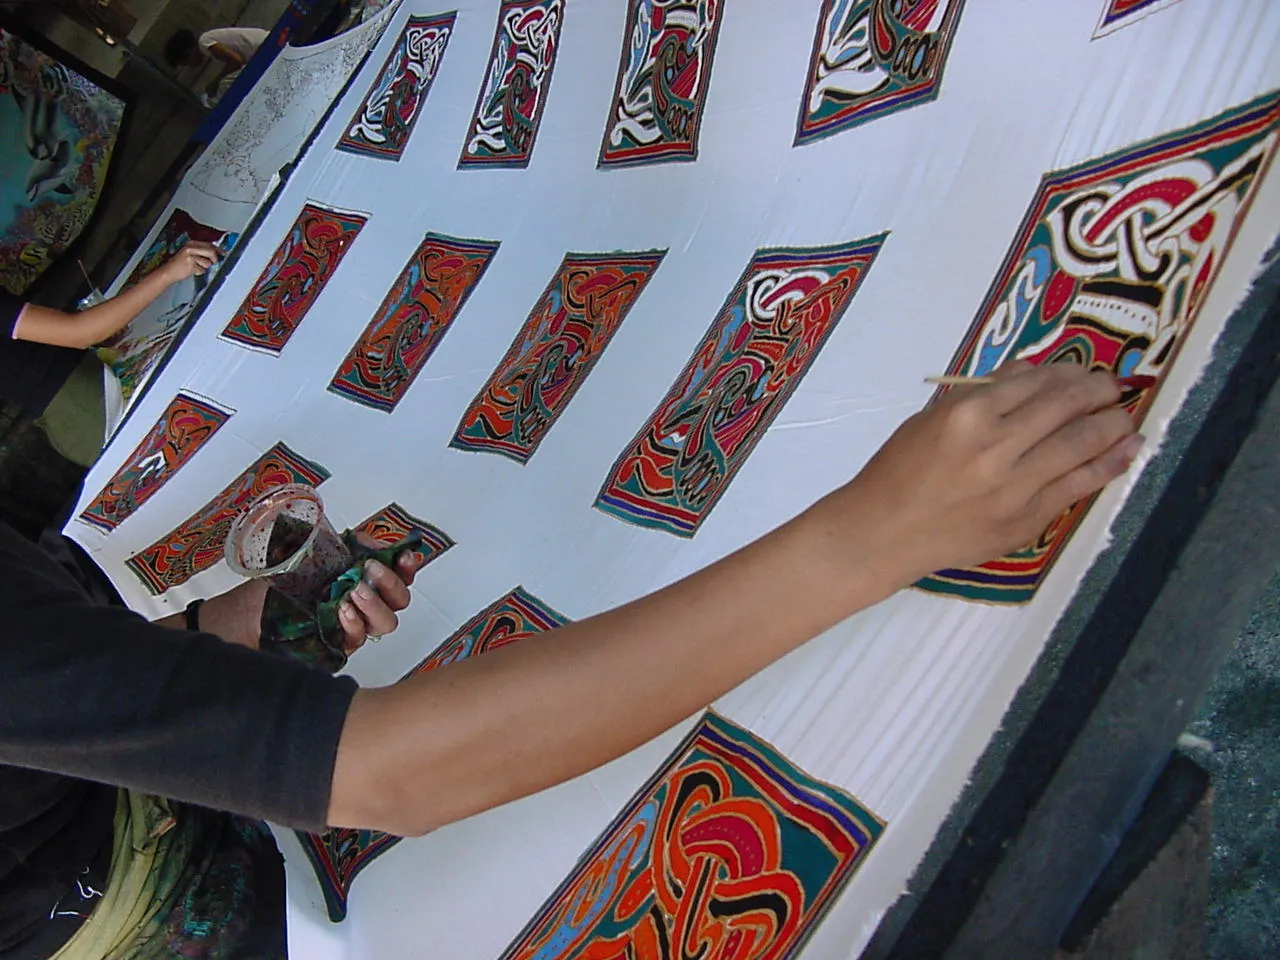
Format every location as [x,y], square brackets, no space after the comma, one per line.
[242,41]
[238,169]
[897,703]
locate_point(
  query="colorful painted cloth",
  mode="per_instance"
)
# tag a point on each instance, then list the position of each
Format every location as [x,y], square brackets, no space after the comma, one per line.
[185,883]
[316,637]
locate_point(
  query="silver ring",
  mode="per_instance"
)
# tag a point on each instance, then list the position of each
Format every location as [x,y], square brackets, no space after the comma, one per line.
[375,637]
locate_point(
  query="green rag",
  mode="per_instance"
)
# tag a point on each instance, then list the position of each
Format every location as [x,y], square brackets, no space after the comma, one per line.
[316,636]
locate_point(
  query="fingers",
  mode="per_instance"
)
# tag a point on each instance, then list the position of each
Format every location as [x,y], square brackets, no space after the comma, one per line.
[370,609]
[200,255]
[378,615]
[352,626]
[1077,443]
[408,564]
[392,590]
[1091,476]
[1062,392]
[1008,389]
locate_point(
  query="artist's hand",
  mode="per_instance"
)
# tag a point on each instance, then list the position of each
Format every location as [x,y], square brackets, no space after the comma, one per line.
[986,469]
[193,259]
[236,616]
[370,609]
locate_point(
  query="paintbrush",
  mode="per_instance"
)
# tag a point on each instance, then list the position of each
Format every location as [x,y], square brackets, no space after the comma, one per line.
[1137,382]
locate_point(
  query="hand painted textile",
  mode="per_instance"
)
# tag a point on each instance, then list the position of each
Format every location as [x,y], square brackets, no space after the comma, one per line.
[384,121]
[393,523]
[294,277]
[663,77]
[184,427]
[198,543]
[874,57]
[413,318]
[180,228]
[510,105]
[555,350]
[340,854]
[729,850]
[1121,13]
[1109,270]
[135,351]
[58,134]
[764,339]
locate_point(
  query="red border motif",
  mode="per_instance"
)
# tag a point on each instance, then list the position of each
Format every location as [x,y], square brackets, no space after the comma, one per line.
[1109,270]
[186,425]
[663,75]
[579,312]
[294,277]
[412,320]
[198,543]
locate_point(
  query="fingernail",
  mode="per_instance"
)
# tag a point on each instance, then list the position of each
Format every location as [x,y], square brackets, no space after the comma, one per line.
[371,569]
[364,591]
[419,557]
[346,612]
[1129,449]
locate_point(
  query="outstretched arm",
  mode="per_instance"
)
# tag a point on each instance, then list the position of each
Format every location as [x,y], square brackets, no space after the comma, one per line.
[84,329]
[981,472]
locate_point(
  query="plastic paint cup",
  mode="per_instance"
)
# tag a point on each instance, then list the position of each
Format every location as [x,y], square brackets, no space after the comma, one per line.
[285,538]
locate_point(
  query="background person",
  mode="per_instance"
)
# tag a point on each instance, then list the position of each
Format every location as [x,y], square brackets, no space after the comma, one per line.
[230,47]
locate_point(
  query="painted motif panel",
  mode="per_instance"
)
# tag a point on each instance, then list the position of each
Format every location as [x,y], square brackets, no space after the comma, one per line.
[579,312]
[509,108]
[1109,269]
[393,523]
[198,543]
[665,71]
[413,318]
[729,850]
[384,121]
[872,58]
[185,426]
[759,347]
[338,855]
[1121,13]
[294,277]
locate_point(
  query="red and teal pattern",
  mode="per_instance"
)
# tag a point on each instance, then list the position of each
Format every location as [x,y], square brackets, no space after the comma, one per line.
[1109,270]
[872,58]
[393,523]
[340,854]
[579,312]
[198,543]
[517,81]
[766,336]
[663,76]
[387,115]
[729,850]
[294,277]
[186,425]
[412,320]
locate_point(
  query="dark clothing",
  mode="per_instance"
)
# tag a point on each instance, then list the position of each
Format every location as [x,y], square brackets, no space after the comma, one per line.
[30,373]
[97,695]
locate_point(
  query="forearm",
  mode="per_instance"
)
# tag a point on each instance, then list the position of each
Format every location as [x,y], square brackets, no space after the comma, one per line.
[234,616]
[82,330]
[455,741]
[111,316]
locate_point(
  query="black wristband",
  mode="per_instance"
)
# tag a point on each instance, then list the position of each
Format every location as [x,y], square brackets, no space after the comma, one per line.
[192,613]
